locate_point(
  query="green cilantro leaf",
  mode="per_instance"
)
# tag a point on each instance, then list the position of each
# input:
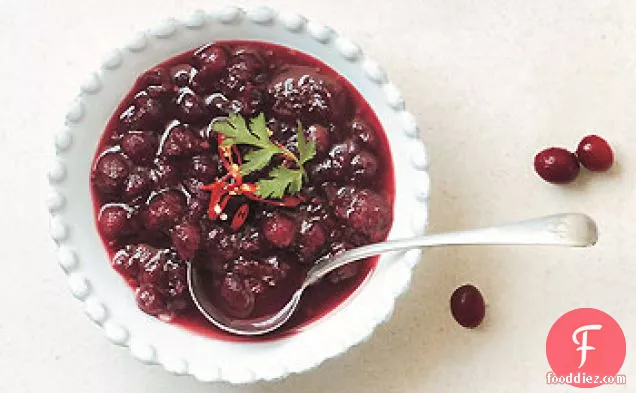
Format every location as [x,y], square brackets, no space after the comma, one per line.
[281,181]
[306,150]
[256,160]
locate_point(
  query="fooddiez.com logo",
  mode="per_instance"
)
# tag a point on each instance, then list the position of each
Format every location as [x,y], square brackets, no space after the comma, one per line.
[585,349]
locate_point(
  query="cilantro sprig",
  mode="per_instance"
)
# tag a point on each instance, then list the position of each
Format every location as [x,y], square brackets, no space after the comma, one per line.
[281,180]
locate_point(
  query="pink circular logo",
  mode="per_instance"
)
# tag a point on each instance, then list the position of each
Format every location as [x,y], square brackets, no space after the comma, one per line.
[585,348]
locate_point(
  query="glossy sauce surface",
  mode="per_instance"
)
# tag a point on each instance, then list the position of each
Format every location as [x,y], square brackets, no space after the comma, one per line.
[158,149]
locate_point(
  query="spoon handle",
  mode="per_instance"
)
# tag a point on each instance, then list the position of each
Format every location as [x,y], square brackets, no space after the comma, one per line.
[568,229]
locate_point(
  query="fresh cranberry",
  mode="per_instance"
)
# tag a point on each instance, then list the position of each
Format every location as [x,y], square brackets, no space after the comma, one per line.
[595,153]
[468,306]
[239,300]
[150,300]
[110,173]
[164,210]
[556,165]
[145,114]
[203,168]
[114,221]
[279,230]
[137,184]
[302,91]
[320,135]
[364,165]
[186,238]
[182,74]
[365,210]
[140,146]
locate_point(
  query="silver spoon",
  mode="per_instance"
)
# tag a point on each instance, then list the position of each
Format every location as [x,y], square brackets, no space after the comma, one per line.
[570,229]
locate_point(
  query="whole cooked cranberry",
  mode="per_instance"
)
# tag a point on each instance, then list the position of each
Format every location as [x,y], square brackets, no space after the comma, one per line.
[134,256]
[220,243]
[182,74]
[165,174]
[138,184]
[364,165]
[213,56]
[140,146]
[218,104]
[186,238]
[110,173]
[556,165]
[468,306]
[251,240]
[164,210]
[145,114]
[250,100]
[366,211]
[595,153]
[245,65]
[273,269]
[155,77]
[150,300]
[152,270]
[158,83]
[254,285]
[177,286]
[197,208]
[311,241]
[343,273]
[183,142]
[203,168]
[189,107]
[124,263]
[337,164]
[363,133]
[279,230]
[114,221]
[161,92]
[301,91]
[320,135]
[238,299]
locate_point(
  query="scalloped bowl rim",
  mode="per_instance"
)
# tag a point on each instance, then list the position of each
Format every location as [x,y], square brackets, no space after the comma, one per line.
[108,300]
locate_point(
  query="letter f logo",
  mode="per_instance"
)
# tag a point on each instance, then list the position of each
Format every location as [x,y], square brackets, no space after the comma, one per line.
[583,344]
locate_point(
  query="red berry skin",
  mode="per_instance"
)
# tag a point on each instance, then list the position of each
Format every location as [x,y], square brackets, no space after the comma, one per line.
[556,165]
[595,153]
[468,306]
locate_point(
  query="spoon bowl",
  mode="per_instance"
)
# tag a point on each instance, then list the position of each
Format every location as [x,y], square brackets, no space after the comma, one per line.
[568,229]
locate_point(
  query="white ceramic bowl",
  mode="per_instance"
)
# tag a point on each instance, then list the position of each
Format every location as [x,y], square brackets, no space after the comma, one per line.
[109,302]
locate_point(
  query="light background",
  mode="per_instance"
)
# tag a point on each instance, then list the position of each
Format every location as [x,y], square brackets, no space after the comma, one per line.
[490,83]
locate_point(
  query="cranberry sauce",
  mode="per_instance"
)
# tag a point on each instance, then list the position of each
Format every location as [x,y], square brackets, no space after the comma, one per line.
[159,161]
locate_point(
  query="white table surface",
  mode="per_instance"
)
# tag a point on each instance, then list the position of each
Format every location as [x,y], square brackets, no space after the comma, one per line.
[490,83]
